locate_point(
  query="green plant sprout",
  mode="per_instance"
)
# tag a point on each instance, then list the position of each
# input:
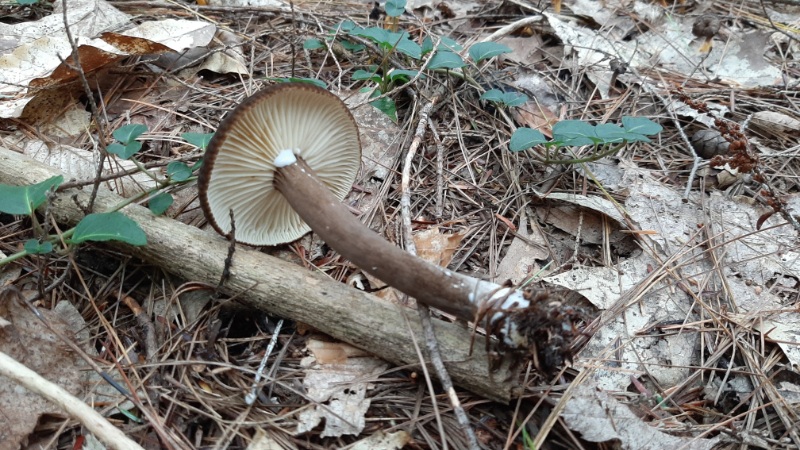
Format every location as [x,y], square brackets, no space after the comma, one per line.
[313,81]
[394,75]
[199,140]
[389,40]
[505,99]
[23,200]
[178,173]
[485,50]
[313,44]
[578,133]
[385,83]
[445,43]
[97,227]
[127,145]
[447,58]
[527,440]
[394,9]
[344,27]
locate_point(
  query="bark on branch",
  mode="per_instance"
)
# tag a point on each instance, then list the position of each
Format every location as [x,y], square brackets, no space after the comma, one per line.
[281,288]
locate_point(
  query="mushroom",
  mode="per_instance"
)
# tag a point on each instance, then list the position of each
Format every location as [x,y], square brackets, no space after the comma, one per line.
[239,164]
[283,160]
[706,26]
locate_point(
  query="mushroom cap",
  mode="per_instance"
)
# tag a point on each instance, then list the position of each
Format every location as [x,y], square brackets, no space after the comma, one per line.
[239,163]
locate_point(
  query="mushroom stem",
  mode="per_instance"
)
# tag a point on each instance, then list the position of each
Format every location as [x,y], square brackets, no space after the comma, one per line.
[430,284]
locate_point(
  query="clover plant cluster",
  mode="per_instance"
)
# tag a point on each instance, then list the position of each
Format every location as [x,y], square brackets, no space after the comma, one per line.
[109,226]
[446,57]
[104,226]
[577,133]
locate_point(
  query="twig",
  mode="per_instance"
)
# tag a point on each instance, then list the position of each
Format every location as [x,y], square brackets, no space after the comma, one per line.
[293,40]
[92,105]
[424,312]
[555,413]
[90,418]
[439,171]
[329,52]
[226,272]
[253,395]
[143,403]
[150,341]
[268,283]
[696,160]
[512,27]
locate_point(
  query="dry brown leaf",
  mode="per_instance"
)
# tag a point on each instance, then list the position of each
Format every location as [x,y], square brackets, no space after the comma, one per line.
[38,64]
[568,219]
[26,339]
[332,352]
[264,441]
[520,260]
[384,441]
[775,122]
[534,116]
[541,111]
[524,50]
[337,389]
[385,292]
[230,60]
[598,417]
[436,247]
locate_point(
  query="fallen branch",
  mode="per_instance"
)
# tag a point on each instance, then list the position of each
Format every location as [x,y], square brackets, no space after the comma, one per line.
[281,288]
[93,421]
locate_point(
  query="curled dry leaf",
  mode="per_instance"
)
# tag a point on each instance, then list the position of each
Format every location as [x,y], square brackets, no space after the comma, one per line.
[520,260]
[41,63]
[81,164]
[541,111]
[384,441]
[335,388]
[775,122]
[583,223]
[599,417]
[594,203]
[437,247]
